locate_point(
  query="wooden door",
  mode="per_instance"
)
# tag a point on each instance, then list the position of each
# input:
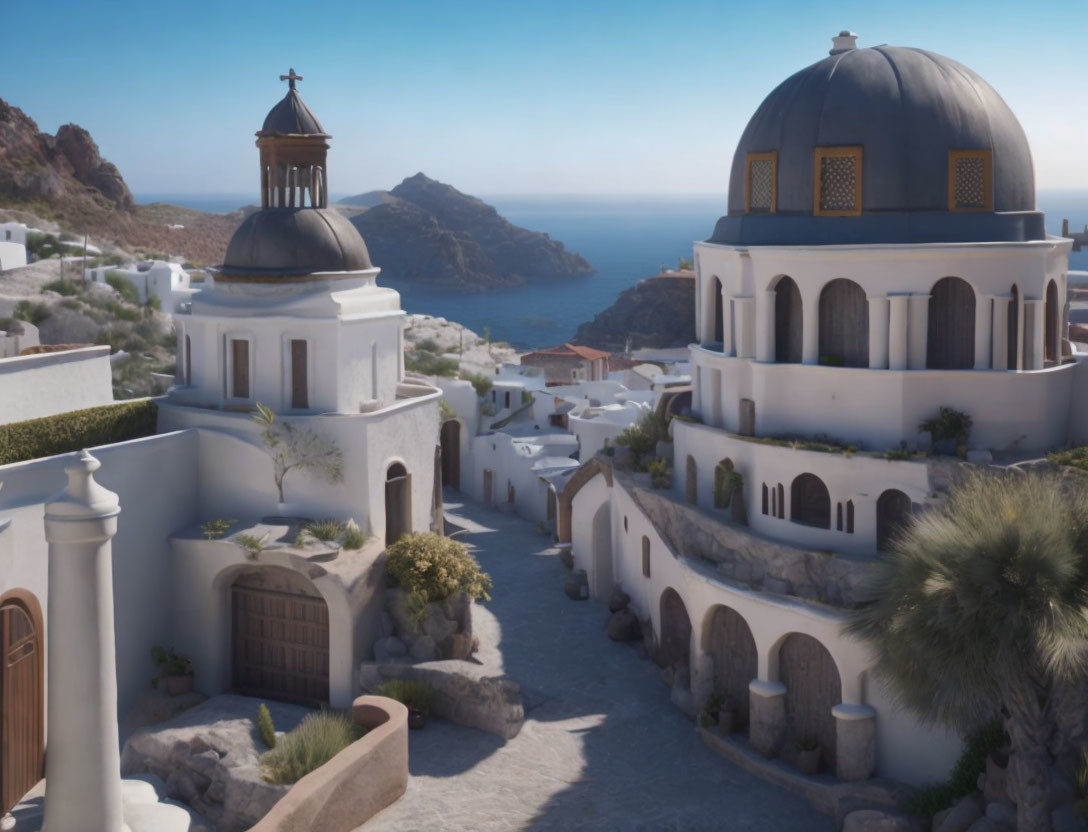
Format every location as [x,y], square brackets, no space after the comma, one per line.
[733,650]
[398,503]
[844,324]
[893,509]
[788,325]
[300,385]
[675,646]
[813,688]
[280,645]
[451,454]
[951,336]
[22,705]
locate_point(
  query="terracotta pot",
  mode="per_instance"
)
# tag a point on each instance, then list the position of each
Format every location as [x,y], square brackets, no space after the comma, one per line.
[728,721]
[176,685]
[416,720]
[808,762]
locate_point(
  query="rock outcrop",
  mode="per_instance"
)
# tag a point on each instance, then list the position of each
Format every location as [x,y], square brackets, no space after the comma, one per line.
[658,312]
[427,231]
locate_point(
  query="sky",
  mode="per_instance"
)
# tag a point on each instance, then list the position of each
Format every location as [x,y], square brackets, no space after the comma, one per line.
[511,97]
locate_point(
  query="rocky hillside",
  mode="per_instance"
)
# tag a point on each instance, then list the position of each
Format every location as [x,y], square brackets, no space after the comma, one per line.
[659,312]
[65,179]
[425,230]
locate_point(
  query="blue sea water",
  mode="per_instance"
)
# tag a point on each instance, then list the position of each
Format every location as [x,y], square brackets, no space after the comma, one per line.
[624,238]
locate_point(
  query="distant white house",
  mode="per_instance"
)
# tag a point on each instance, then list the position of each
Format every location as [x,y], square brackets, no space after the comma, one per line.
[12,245]
[17,336]
[169,282]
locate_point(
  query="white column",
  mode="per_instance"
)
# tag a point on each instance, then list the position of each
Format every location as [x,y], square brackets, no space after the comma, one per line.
[1033,334]
[745,309]
[727,324]
[878,333]
[765,334]
[1000,332]
[918,332]
[898,332]
[83,765]
[983,332]
[810,336]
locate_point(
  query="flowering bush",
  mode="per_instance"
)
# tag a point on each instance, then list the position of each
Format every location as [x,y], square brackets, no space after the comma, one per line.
[436,567]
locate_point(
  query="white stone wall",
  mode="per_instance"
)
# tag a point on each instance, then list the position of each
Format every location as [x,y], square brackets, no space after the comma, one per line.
[906,750]
[12,255]
[32,386]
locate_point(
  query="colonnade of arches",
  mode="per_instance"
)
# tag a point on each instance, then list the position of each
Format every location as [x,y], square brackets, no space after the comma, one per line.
[844,328]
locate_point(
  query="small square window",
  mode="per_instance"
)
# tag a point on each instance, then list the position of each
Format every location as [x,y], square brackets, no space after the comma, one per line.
[837,179]
[760,192]
[970,180]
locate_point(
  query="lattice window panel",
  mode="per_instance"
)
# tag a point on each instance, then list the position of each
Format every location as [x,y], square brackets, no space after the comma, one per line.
[838,183]
[970,183]
[760,185]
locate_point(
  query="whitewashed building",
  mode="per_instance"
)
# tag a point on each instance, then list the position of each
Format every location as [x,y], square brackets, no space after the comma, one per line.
[882,258]
[168,282]
[12,245]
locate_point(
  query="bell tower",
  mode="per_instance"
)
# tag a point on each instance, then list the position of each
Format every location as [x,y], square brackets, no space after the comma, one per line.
[293,147]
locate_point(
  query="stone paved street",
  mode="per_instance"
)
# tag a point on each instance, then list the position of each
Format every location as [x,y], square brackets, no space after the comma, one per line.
[602,747]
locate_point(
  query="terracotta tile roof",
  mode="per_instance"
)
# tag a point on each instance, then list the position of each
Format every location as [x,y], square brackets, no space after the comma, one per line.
[568,349]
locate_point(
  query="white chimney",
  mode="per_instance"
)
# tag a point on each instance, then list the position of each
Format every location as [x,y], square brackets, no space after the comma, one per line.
[844,41]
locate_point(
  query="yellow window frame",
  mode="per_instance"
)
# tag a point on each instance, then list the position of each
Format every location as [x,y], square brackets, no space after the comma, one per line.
[772,157]
[987,181]
[853,152]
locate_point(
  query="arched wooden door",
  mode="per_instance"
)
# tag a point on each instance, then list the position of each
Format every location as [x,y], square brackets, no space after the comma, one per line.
[279,636]
[675,647]
[733,649]
[844,324]
[951,338]
[892,511]
[398,503]
[788,326]
[451,454]
[813,688]
[22,704]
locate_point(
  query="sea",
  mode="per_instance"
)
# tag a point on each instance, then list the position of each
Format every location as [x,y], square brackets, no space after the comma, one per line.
[625,238]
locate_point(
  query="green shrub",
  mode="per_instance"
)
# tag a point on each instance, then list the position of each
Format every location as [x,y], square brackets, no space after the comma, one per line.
[251,544]
[430,364]
[66,432]
[61,287]
[353,535]
[480,383]
[1073,457]
[33,313]
[427,345]
[948,424]
[415,696]
[437,567]
[963,779]
[124,287]
[659,473]
[212,529]
[897,453]
[266,729]
[642,436]
[11,326]
[327,530]
[169,663]
[316,740]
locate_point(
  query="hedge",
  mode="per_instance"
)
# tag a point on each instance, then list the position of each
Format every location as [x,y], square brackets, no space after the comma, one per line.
[78,429]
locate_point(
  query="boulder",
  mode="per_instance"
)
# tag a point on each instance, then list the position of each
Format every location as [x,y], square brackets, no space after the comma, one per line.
[1003,812]
[424,649]
[436,625]
[875,820]
[576,585]
[618,600]
[457,646]
[960,815]
[623,626]
[985,824]
[390,648]
[776,586]
[1068,818]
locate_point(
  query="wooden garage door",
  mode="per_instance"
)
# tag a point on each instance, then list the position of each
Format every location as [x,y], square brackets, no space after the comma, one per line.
[280,645]
[21,727]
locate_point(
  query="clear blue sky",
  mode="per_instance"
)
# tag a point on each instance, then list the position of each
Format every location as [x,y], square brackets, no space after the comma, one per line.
[518,96]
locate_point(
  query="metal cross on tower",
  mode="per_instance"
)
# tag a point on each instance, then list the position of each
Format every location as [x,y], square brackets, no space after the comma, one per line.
[290,79]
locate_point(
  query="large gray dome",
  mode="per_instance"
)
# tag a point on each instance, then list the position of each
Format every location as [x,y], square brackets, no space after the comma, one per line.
[906,108]
[294,242]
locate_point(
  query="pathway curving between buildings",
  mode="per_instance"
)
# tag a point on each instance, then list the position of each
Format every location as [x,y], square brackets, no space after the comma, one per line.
[602,747]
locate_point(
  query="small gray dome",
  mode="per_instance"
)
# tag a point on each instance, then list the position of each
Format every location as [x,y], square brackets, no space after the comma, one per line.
[291,117]
[293,242]
[906,108]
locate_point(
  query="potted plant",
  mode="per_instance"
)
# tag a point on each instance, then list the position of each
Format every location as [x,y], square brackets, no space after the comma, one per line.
[175,671]
[808,755]
[729,718]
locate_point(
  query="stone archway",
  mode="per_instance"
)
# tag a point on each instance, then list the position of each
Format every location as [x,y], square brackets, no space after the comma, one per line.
[844,324]
[279,636]
[813,688]
[729,642]
[22,696]
[893,509]
[950,343]
[451,454]
[398,503]
[674,646]
[602,551]
[810,503]
[788,322]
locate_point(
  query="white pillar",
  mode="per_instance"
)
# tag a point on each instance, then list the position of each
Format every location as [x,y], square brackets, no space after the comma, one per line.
[745,309]
[83,763]
[766,335]
[918,332]
[898,332]
[1033,334]
[810,335]
[1000,332]
[878,333]
[983,332]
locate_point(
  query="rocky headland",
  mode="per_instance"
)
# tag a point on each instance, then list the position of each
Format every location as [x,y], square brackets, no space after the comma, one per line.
[656,312]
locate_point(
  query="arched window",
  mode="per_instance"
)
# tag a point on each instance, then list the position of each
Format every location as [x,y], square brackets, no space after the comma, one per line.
[788,328]
[951,341]
[810,503]
[674,645]
[724,483]
[844,324]
[398,502]
[1052,316]
[1013,330]
[645,556]
[691,492]
[719,318]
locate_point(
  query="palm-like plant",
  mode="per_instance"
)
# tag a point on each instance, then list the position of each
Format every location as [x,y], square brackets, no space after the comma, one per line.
[982,610]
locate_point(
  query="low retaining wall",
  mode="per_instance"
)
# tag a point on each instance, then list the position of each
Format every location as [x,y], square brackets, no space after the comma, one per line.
[357,783]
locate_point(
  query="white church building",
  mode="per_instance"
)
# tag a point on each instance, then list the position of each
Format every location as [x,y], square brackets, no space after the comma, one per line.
[882,258]
[295,321]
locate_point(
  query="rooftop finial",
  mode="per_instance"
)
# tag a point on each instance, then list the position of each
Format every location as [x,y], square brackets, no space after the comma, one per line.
[291,78]
[844,41]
